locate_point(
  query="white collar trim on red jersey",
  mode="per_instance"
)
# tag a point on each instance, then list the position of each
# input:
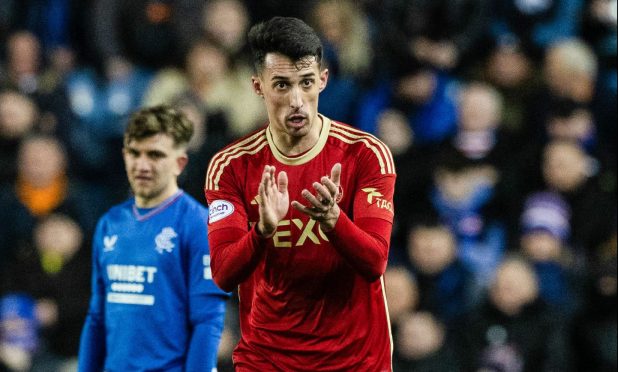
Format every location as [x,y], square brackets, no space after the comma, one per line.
[309,155]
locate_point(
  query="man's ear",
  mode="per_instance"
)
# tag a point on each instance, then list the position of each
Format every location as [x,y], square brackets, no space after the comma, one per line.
[323,79]
[182,162]
[257,85]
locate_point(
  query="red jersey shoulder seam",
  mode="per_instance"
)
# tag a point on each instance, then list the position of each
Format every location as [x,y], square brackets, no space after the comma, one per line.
[351,135]
[248,145]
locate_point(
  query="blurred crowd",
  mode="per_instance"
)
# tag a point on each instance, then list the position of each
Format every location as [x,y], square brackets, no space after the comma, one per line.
[501,116]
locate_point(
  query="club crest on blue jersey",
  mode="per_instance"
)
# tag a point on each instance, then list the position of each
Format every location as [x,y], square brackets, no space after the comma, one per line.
[164,242]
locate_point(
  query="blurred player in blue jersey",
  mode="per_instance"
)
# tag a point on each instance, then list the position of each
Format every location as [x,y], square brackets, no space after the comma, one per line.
[154,305]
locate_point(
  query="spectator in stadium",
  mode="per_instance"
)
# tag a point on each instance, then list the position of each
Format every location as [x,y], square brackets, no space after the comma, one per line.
[464,196]
[571,75]
[52,272]
[426,98]
[154,305]
[570,107]
[345,30]
[514,320]
[394,130]
[23,62]
[18,118]
[18,332]
[99,107]
[479,119]
[401,292]
[43,186]
[27,72]
[570,121]
[422,345]
[18,115]
[569,171]
[481,138]
[545,232]
[518,80]
[142,34]
[206,64]
[227,22]
[445,286]
[570,70]
[439,34]
[210,76]
[130,42]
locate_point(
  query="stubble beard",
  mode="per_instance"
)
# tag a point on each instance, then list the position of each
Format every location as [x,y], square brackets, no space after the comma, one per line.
[146,193]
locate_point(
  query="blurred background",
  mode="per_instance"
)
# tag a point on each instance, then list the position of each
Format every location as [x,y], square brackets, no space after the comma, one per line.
[501,115]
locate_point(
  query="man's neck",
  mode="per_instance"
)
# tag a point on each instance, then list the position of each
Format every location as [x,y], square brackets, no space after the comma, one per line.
[141,202]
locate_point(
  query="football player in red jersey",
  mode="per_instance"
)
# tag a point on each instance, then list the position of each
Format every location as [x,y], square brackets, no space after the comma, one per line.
[300,221]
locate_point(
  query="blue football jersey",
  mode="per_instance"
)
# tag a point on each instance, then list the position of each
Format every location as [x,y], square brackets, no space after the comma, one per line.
[153,291]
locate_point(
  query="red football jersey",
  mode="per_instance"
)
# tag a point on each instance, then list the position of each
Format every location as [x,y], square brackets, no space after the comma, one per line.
[309,300]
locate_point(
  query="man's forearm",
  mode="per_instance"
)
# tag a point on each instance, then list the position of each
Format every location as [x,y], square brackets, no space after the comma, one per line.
[205,339]
[234,258]
[363,244]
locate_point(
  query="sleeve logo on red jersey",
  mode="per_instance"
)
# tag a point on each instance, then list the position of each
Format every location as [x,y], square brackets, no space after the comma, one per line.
[371,193]
[374,197]
[218,210]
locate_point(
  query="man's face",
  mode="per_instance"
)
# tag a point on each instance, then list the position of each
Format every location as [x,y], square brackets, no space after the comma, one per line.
[153,165]
[564,166]
[290,90]
[478,109]
[41,161]
[541,246]
[24,53]
[432,249]
[515,286]
[557,75]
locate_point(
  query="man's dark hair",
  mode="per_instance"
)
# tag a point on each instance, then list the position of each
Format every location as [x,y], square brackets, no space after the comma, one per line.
[285,35]
[151,121]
